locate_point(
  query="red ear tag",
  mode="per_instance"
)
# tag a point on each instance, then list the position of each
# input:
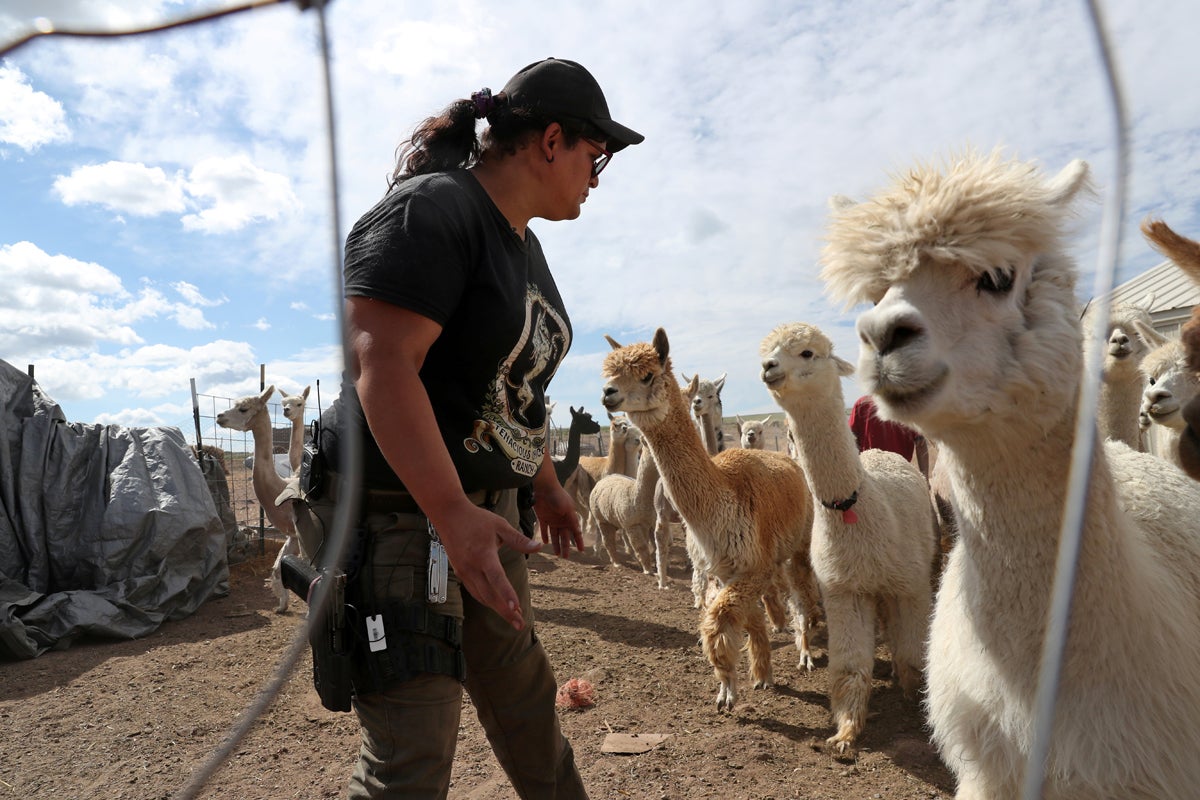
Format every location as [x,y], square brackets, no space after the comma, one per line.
[849,517]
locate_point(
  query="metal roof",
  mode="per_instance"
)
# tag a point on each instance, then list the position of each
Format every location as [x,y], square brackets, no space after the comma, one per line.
[1174,294]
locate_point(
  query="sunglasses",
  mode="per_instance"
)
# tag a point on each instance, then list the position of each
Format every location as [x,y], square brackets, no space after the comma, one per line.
[600,161]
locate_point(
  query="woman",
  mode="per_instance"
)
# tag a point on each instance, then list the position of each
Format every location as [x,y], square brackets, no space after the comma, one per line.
[456,327]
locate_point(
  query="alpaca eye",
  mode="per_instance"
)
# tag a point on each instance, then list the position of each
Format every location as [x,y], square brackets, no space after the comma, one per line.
[995,282]
[807,354]
[1152,381]
[649,377]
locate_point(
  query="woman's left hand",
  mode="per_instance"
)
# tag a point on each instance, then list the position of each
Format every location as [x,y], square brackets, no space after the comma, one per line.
[557,520]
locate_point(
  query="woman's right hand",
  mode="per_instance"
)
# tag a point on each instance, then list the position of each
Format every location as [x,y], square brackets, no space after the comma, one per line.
[472,537]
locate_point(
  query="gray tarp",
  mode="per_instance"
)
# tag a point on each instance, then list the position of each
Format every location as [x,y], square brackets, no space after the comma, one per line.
[104,530]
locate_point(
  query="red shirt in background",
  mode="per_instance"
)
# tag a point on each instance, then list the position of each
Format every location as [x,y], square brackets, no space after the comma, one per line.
[873,433]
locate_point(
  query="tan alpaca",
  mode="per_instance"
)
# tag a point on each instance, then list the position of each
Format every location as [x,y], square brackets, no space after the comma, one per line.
[293,411]
[275,494]
[873,541]
[747,509]
[624,504]
[623,444]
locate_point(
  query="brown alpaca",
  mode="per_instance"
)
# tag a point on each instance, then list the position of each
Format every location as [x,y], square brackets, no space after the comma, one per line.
[748,510]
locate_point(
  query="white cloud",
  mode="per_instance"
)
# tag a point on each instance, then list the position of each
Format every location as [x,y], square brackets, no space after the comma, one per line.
[28,118]
[262,324]
[238,192]
[191,294]
[123,187]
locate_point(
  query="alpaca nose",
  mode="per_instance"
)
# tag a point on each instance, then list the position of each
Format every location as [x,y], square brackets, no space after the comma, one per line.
[1156,396]
[887,330]
[1119,338]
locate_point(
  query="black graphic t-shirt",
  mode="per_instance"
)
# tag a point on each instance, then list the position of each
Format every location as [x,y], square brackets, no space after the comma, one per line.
[437,245]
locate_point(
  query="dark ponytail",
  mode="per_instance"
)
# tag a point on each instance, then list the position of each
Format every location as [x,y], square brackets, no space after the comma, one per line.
[448,141]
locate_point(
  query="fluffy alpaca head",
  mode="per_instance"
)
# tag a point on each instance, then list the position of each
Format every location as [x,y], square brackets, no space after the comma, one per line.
[638,380]
[975,313]
[241,416]
[293,405]
[1124,347]
[1170,384]
[753,432]
[798,360]
[705,395]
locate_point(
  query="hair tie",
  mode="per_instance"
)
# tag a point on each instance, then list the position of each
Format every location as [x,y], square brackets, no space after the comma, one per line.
[484,103]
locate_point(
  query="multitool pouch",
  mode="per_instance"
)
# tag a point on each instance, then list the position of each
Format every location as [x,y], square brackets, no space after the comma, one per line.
[403,640]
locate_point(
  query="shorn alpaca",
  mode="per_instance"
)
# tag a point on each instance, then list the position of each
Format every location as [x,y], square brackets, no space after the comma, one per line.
[1171,384]
[974,340]
[626,505]
[623,447]
[581,424]
[274,494]
[293,411]
[747,509]
[1185,253]
[873,537]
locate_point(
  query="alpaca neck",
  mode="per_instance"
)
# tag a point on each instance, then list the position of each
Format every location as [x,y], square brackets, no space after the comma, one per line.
[265,480]
[616,457]
[646,481]
[825,445]
[708,433]
[1117,412]
[697,488]
[296,445]
[571,459]
[1008,498]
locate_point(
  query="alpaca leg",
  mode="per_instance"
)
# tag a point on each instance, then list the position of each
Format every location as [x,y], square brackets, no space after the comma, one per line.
[774,604]
[907,630]
[640,539]
[851,621]
[734,609]
[608,533]
[291,546]
[699,571]
[804,601]
[662,550]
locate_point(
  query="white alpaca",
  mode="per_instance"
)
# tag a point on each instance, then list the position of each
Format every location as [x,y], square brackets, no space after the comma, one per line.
[1120,379]
[874,539]
[974,340]
[1171,383]
[624,504]
[624,446]
[274,493]
[293,411]
[747,509]
[752,433]
[705,397]
[1185,254]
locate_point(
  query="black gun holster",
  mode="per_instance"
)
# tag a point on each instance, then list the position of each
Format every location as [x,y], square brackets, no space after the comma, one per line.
[329,637]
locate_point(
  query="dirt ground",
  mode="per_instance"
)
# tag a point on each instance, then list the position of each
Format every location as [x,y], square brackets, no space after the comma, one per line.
[136,719]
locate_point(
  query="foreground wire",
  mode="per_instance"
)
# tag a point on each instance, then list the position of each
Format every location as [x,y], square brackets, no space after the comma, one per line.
[1054,644]
[347,508]
[43,27]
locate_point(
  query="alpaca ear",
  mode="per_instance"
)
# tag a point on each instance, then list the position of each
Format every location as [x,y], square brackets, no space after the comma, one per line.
[662,345]
[1066,184]
[266,395]
[694,385]
[610,416]
[739,422]
[304,394]
[720,382]
[767,421]
[844,367]
[1151,337]
[840,202]
[613,343]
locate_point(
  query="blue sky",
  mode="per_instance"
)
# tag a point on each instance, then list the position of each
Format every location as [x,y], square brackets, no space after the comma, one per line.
[165,205]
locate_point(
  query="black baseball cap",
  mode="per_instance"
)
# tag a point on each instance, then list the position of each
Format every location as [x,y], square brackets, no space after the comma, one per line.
[556,86]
